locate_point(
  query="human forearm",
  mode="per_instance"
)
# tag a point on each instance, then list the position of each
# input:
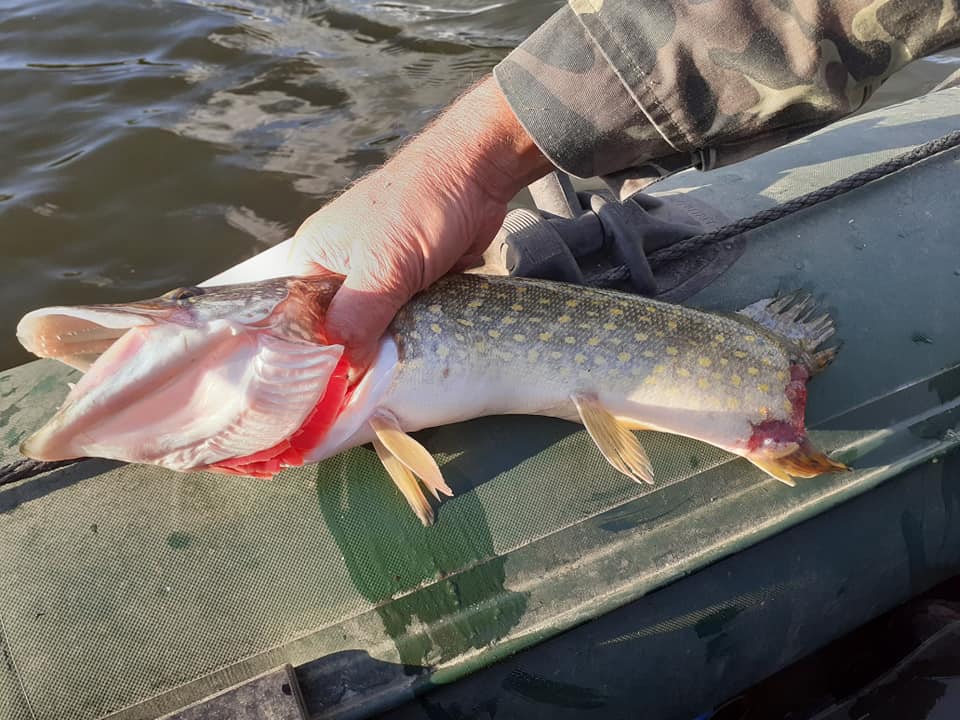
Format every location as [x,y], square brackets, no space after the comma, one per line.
[478,141]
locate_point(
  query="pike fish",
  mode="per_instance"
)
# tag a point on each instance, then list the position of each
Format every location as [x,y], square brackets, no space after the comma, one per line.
[242,378]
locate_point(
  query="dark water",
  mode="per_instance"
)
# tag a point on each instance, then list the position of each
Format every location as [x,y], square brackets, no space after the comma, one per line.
[150,144]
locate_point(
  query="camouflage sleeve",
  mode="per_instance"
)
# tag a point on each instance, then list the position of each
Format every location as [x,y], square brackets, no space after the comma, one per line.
[653,86]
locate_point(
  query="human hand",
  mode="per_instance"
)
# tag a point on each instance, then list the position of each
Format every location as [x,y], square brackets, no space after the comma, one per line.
[435,207]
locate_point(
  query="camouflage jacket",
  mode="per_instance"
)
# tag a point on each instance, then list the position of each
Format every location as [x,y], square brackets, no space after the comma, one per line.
[642,88]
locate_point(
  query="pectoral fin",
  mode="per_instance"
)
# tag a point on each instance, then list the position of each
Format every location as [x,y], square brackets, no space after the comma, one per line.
[408,458]
[613,438]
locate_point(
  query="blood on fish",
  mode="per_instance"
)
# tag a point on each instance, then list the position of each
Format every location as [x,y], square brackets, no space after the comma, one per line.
[290,452]
[781,431]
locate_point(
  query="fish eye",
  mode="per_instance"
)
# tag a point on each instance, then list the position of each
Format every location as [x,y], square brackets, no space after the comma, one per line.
[184,293]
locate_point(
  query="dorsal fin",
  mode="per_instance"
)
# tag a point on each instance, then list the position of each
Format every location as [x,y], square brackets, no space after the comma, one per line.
[793,316]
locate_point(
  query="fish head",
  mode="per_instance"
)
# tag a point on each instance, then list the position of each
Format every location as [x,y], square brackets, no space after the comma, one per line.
[78,335]
[200,377]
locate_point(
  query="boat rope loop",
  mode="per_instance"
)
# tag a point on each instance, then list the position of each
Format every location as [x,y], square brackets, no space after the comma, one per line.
[684,247]
[25,468]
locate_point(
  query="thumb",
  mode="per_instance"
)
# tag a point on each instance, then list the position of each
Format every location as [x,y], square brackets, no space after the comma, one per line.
[360,313]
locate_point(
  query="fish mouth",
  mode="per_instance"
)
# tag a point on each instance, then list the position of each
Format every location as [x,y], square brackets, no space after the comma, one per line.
[78,336]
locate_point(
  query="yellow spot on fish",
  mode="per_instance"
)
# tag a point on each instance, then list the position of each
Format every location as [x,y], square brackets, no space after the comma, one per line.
[563,319]
[435,309]
[516,307]
[572,303]
[533,355]
[616,311]
[594,341]
[683,372]
[719,337]
[475,303]
[609,326]
[519,338]
[641,337]
[735,380]
[459,336]
[671,350]
[599,360]
[703,383]
[763,387]
[465,323]
[435,328]
[704,362]
[657,369]
[623,357]
[615,341]
[733,403]
[569,339]
[787,406]
[480,346]
[781,375]
[650,380]
[544,301]
[752,371]
[545,336]
[648,353]
[493,333]
[556,355]
[739,354]
[509,320]
[723,362]
[580,358]
[749,338]
[443,351]
[766,361]
[671,324]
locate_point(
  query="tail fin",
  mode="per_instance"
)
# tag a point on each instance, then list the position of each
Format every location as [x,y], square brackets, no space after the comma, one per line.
[792,317]
[804,462]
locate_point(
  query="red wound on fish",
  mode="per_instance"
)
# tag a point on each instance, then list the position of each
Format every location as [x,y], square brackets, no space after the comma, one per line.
[290,452]
[781,431]
[804,460]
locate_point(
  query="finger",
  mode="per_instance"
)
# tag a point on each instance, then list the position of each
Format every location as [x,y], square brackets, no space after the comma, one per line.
[360,313]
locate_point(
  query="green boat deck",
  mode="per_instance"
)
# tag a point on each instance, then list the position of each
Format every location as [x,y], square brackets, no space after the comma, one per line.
[129,592]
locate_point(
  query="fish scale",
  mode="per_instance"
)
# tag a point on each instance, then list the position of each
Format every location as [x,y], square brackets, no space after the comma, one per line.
[647,350]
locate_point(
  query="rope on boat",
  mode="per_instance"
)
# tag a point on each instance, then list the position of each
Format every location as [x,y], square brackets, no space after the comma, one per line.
[777,212]
[27,468]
